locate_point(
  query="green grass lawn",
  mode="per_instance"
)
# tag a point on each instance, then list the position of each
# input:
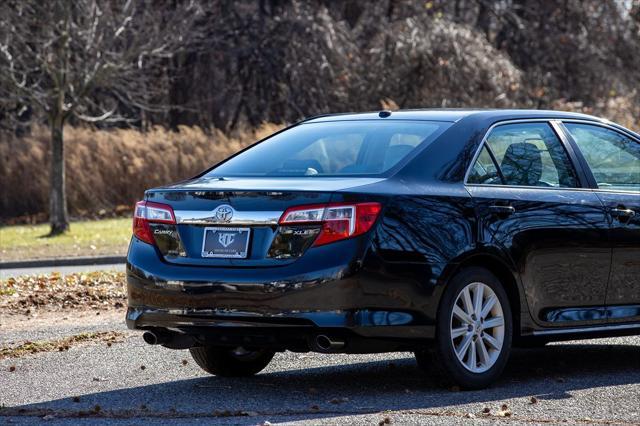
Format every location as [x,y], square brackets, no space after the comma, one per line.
[86,238]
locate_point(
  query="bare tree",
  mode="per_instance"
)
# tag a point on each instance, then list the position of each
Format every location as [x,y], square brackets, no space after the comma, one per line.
[89,60]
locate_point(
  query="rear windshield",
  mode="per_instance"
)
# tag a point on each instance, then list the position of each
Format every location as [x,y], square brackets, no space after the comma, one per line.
[338,148]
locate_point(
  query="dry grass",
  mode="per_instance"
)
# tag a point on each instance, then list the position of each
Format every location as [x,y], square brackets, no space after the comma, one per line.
[110,168]
[85,238]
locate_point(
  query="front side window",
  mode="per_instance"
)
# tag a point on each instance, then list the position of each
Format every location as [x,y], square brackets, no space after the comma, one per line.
[528,154]
[613,158]
[338,148]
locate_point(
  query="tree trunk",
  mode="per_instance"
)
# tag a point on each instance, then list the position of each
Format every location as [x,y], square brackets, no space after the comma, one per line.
[484,19]
[58,216]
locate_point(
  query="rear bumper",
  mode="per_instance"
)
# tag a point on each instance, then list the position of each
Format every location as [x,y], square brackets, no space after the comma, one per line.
[329,290]
[365,323]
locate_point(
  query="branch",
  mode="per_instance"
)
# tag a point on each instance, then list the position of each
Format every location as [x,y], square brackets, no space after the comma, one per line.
[95,119]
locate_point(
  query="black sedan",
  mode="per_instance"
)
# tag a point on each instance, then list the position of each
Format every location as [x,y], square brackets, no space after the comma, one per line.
[454,234]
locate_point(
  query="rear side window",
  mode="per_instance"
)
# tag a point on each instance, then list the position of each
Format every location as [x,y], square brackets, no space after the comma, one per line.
[484,171]
[528,154]
[338,148]
[613,158]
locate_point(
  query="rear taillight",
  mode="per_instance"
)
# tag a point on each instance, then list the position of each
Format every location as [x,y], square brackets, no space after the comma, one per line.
[339,221]
[147,212]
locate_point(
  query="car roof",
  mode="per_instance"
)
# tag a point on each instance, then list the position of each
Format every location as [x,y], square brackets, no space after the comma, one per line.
[453,115]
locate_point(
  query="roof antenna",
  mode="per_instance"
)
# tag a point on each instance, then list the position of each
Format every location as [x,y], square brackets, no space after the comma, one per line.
[384,114]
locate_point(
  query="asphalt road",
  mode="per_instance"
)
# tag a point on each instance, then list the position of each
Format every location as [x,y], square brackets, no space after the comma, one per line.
[578,382]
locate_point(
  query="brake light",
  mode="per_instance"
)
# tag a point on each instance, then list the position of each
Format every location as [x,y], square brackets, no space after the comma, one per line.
[147,212]
[339,221]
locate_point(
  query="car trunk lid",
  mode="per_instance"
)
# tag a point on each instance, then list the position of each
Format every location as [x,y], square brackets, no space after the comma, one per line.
[233,222]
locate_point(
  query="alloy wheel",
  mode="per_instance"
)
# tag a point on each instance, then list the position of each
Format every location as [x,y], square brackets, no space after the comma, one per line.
[477,327]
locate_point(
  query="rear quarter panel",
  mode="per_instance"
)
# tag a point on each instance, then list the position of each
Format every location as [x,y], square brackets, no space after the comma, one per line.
[421,233]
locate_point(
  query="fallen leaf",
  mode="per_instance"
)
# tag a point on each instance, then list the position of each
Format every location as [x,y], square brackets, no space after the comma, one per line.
[63,344]
[504,411]
[55,292]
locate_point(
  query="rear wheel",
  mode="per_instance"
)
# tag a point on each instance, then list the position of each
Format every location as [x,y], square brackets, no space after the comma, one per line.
[474,331]
[231,362]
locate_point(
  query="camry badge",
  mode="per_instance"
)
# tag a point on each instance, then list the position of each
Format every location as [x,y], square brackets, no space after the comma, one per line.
[223,213]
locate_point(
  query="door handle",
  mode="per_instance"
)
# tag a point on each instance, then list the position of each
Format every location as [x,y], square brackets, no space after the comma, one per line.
[502,210]
[622,213]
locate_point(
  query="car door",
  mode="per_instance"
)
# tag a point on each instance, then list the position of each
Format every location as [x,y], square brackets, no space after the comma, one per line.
[531,206]
[614,161]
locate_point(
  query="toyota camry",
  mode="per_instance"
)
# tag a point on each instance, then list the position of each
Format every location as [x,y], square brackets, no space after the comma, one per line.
[452,234]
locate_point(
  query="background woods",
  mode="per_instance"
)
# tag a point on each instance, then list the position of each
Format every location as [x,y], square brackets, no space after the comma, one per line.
[127,67]
[87,60]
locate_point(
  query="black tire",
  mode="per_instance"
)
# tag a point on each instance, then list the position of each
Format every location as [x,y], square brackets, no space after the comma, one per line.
[225,362]
[441,358]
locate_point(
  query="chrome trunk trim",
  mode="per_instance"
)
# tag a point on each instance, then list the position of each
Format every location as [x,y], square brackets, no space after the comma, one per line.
[207,217]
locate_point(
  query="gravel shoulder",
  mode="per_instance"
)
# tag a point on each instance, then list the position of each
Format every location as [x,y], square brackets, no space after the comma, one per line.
[56,325]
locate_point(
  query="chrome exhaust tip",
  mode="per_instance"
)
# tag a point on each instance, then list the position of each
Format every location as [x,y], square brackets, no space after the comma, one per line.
[326,344]
[150,338]
[155,338]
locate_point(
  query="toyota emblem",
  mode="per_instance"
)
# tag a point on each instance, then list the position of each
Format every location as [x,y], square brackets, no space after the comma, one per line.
[223,213]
